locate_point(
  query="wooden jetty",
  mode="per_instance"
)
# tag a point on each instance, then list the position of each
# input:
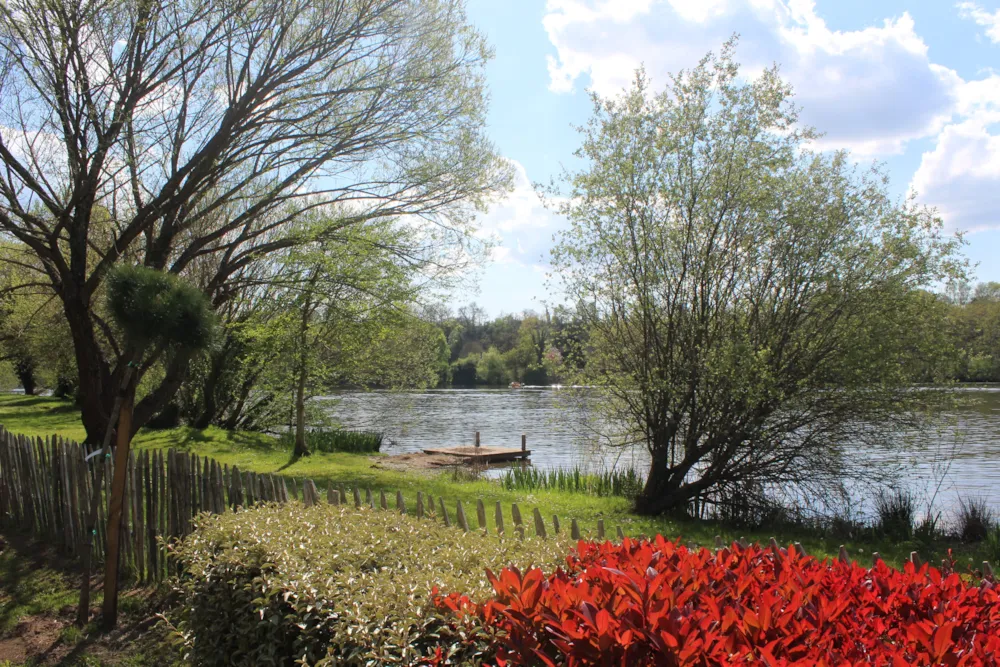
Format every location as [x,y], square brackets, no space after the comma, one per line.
[482,454]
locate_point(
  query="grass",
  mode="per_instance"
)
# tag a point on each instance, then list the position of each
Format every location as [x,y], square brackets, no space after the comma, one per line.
[40,416]
[39,590]
[32,587]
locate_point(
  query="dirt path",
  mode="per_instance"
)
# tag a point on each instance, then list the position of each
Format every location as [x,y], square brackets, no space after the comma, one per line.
[417,462]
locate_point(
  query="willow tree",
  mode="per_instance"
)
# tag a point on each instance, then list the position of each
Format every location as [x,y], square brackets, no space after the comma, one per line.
[755,306]
[186,136]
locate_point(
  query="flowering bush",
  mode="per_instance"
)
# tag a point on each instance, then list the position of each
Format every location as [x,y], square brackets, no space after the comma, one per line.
[659,603]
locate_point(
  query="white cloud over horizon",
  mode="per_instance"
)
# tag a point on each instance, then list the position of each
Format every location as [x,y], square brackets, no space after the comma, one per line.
[870,90]
[873,90]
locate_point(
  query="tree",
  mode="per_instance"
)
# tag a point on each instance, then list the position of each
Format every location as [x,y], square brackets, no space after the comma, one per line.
[33,330]
[187,136]
[491,369]
[753,303]
[157,311]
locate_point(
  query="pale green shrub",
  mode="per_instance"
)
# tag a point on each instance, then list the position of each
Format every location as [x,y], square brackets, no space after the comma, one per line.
[336,585]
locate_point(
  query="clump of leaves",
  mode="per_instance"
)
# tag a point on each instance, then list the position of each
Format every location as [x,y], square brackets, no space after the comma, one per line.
[153,305]
[336,585]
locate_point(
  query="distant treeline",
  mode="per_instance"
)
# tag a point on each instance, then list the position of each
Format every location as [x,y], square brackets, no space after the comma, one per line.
[531,348]
[974,320]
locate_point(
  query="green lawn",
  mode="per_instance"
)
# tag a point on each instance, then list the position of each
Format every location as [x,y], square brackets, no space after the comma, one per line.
[39,416]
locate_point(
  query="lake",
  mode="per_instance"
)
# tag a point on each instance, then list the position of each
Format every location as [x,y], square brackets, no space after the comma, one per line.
[958,457]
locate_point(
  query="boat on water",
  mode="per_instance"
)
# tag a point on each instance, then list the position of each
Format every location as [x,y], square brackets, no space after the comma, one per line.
[515,385]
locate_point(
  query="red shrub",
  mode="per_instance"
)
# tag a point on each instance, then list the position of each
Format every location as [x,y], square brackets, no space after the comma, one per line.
[658,603]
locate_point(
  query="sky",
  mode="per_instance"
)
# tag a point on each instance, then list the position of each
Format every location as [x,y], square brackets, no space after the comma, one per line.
[912,84]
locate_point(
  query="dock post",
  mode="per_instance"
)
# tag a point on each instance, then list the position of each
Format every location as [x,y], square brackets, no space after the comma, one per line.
[477,439]
[524,443]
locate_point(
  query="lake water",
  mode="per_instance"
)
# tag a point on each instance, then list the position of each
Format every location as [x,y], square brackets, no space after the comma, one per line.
[958,457]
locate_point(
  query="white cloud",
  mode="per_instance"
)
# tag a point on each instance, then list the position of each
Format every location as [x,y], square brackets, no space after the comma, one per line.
[982,17]
[520,223]
[871,90]
[961,176]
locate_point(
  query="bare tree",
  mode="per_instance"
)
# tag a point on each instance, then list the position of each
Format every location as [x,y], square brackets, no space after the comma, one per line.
[757,314]
[177,133]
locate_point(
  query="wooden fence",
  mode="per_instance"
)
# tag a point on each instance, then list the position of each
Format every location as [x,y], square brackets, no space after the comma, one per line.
[46,486]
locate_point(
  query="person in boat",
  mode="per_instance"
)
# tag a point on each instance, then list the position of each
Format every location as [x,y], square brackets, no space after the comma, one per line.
[515,385]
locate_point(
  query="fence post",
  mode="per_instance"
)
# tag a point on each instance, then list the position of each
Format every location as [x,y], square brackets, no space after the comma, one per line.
[574,529]
[481,514]
[539,524]
[400,505]
[460,513]
[420,504]
[444,512]
[498,517]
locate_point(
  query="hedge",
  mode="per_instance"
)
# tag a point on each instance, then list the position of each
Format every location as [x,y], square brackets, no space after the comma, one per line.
[331,585]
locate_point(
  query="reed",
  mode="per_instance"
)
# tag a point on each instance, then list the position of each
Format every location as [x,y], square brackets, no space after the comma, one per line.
[339,440]
[620,482]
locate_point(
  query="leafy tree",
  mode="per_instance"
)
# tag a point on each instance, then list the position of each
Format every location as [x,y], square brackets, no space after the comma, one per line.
[187,137]
[490,369]
[34,338]
[753,302]
[155,311]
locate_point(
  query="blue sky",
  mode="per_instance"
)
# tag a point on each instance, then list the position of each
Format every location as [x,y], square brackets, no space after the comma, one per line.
[914,84]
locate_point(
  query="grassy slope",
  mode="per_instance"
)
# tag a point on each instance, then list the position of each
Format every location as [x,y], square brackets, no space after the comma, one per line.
[38,416]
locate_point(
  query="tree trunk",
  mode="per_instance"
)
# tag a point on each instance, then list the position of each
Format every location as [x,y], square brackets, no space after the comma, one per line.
[83,608]
[664,491]
[117,500]
[94,373]
[25,369]
[210,412]
[301,446]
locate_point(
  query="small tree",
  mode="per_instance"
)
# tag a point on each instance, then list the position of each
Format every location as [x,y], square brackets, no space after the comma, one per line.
[153,310]
[491,369]
[754,305]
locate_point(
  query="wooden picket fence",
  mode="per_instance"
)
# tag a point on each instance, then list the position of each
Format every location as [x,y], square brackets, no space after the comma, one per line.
[46,486]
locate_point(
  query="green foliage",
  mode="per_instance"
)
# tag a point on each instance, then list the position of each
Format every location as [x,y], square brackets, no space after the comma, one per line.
[333,586]
[626,483]
[152,305]
[491,370]
[339,440]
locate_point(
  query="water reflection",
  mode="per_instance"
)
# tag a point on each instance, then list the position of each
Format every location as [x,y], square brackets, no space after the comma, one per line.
[958,456]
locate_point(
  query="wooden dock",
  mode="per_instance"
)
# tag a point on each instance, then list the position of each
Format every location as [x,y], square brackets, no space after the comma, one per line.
[482,454]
